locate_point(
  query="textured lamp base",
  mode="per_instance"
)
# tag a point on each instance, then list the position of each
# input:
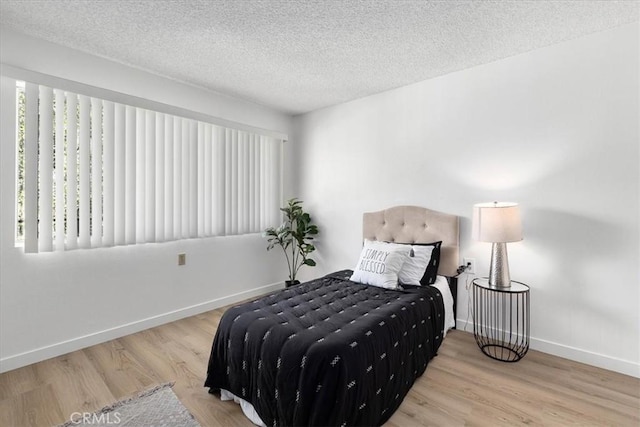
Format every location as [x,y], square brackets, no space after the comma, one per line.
[499,270]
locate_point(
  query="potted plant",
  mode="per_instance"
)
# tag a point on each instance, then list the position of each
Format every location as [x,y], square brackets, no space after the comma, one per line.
[294,236]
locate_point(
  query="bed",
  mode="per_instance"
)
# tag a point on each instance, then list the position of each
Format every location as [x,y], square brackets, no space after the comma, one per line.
[333,351]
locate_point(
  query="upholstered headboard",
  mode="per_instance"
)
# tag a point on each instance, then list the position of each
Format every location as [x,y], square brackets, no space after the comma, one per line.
[413,224]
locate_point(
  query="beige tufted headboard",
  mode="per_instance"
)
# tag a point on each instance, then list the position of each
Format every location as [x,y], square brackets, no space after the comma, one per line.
[413,224]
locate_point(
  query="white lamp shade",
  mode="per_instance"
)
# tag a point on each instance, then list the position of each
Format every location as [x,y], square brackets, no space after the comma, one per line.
[497,222]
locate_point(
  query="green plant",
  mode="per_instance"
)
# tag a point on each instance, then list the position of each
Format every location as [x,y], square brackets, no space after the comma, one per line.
[294,236]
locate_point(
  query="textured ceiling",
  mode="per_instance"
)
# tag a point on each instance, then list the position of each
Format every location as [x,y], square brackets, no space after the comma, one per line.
[298,56]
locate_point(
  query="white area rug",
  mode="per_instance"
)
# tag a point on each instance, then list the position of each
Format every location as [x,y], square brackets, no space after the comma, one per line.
[158,407]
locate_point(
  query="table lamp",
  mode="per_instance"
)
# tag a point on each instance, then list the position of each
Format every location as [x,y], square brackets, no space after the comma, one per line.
[498,223]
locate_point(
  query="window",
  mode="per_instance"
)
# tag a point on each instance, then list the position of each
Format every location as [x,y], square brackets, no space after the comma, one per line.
[93,173]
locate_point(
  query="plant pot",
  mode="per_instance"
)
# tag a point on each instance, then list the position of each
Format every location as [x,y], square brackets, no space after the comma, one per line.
[289,283]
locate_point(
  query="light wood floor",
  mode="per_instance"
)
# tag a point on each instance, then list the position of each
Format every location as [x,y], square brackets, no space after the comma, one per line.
[461,385]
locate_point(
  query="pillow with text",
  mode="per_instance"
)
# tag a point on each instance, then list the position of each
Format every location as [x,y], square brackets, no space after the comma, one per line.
[380,263]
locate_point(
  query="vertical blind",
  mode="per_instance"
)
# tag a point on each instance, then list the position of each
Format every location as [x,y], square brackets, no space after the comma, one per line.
[100,173]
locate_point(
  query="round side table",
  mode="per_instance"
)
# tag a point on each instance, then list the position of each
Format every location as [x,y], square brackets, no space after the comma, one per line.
[501,320]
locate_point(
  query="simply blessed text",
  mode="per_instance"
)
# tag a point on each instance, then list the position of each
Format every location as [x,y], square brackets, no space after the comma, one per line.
[373,261]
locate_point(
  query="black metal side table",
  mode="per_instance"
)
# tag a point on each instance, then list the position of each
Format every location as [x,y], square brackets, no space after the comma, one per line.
[501,320]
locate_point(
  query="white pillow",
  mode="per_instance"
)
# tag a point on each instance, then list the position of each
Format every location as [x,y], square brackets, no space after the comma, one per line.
[380,263]
[415,266]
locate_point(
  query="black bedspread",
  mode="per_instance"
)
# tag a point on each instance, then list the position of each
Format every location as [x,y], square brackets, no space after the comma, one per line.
[327,352]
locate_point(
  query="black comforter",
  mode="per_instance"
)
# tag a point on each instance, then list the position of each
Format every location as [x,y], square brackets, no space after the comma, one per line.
[327,352]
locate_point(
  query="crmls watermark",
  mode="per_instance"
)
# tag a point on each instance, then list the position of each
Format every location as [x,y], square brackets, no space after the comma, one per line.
[88,418]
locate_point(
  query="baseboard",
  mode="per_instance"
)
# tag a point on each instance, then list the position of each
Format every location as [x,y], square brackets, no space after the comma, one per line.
[572,353]
[27,358]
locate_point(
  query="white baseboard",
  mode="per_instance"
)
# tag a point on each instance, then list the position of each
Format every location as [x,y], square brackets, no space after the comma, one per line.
[27,358]
[572,353]
[23,359]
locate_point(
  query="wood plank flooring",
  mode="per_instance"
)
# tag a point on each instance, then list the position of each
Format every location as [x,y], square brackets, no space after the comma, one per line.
[460,387]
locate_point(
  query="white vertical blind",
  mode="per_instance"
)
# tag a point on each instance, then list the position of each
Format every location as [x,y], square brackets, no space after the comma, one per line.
[96,172]
[207,168]
[45,159]
[31,168]
[268,204]
[150,174]
[130,175]
[253,181]
[84,192]
[120,166]
[108,170]
[177,178]
[263,183]
[200,178]
[159,178]
[168,177]
[219,181]
[233,175]
[100,173]
[72,172]
[184,204]
[193,179]
[59,170]
[227,181]
[243,185]
[140,144]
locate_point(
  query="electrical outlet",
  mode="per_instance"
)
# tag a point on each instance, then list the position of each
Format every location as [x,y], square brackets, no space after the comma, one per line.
[470,263]
[182,259]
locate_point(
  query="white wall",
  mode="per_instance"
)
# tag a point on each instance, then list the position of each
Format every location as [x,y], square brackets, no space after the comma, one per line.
[52,303]
[556,130]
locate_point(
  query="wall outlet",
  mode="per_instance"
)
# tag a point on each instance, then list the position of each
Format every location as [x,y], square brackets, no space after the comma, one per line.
[182,259]
[470,263]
